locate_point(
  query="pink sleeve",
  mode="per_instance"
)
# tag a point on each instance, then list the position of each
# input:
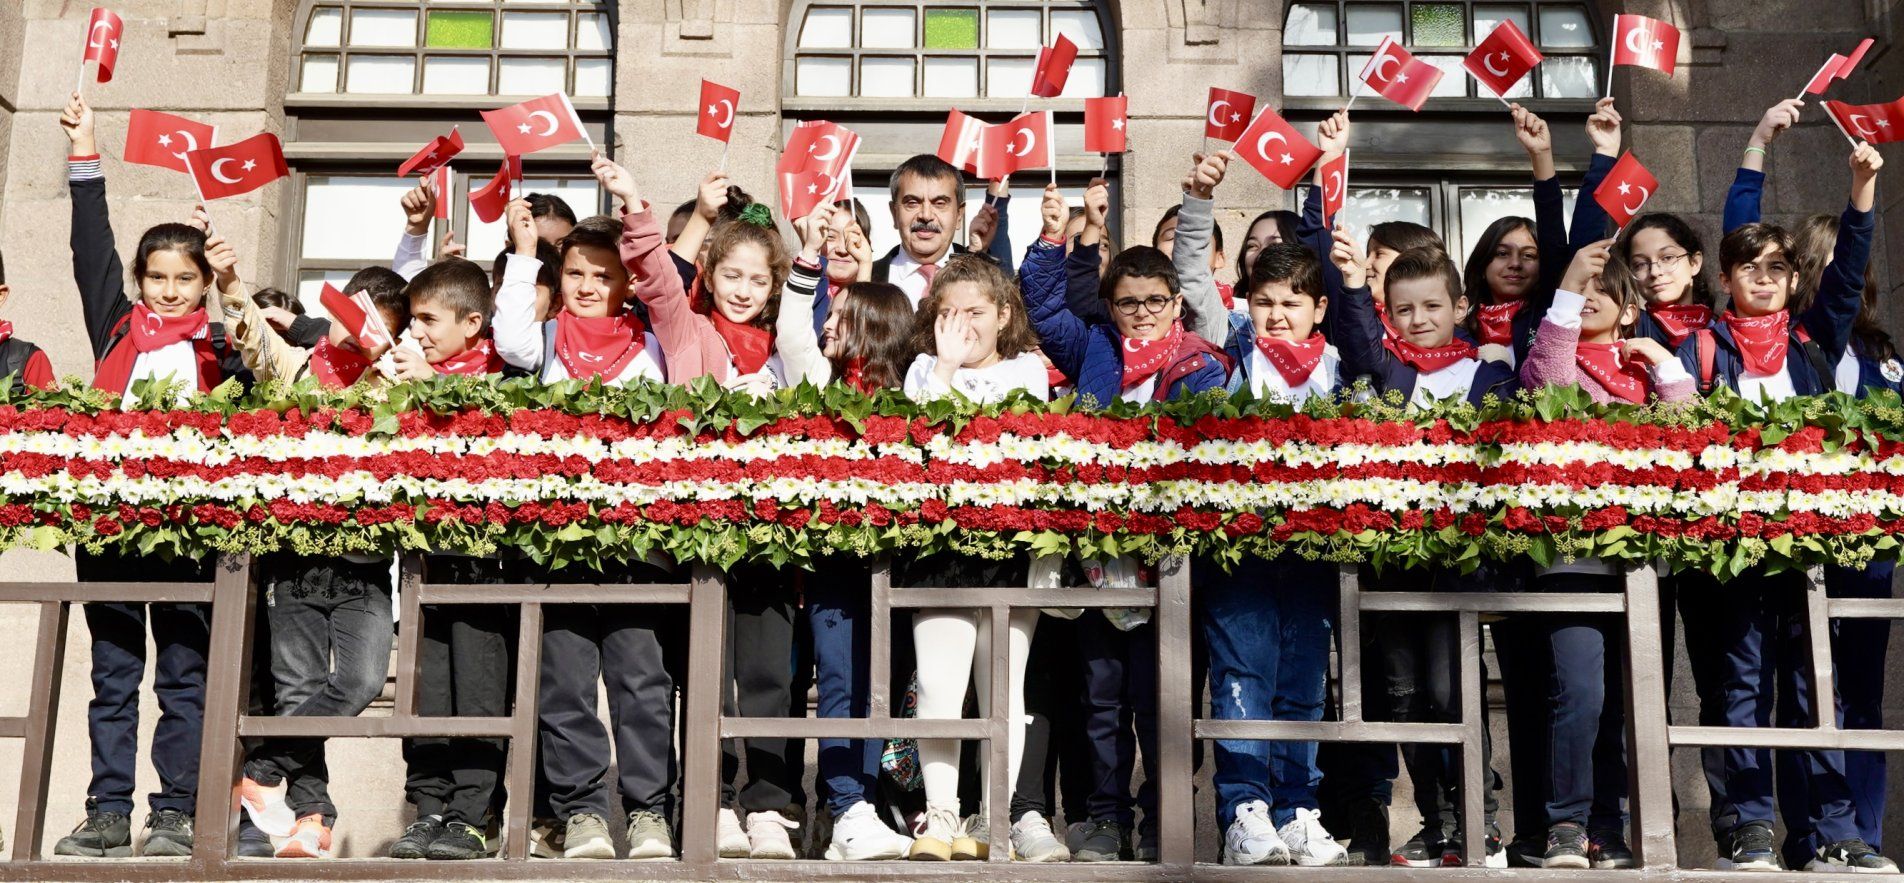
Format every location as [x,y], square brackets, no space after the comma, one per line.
[1550,358]
[689,344]
[1683,390]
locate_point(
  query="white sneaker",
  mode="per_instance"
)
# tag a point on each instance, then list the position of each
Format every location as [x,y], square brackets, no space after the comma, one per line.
[932,839]
[859,836]
[731,840]
[267,807]
[1310,844]
[585,835]
[1252,838]
[974,843]
[1032,841]
[767,835]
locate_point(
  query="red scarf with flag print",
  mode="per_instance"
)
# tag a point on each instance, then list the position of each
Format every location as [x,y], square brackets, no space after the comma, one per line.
[750,346]
[1679,321]
[1762,340]
[1623,378]
[1144,358]
[478,359]
[336,367]
[1295,360]
[148,331]
[1428,360]
[599,346]
[6,331]
[1497,322]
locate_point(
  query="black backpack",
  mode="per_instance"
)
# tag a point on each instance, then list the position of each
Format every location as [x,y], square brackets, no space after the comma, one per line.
[14,354]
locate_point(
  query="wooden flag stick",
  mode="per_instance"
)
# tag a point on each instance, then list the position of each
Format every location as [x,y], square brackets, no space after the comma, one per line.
[724,146]
[79,82]
[1841,129]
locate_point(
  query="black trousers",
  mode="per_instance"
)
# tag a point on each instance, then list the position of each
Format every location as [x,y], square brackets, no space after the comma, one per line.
[1054,776]
[465,670]
[762,654]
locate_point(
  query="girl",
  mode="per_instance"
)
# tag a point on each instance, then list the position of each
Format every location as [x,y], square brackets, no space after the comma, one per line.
[973,340]
[1268,228]
[1508,272]
[730,337]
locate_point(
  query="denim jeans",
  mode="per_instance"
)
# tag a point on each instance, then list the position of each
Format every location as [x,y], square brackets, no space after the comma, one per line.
[1587,731]
[837,601]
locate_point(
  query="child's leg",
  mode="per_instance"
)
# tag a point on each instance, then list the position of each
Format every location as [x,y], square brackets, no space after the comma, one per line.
[1577,699]
[1031,788]
[1858,656]
[356,639]
[1140,684]
[112,717]
[1306,617]
[428,761]
[573,745]
[1526,664]
[479,679]
[1697,597]
[943,641]
[182,633]
[1019,633]
[1113,750]
[641,707]
[762,628]
[1742,626]
[1824,814]
[1241,626]
[836,610]
[1609,749]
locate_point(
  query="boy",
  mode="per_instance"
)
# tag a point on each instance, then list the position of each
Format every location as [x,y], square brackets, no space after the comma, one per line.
[24,363]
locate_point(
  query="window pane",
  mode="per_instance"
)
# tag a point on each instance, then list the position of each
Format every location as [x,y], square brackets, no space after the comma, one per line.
[1086,80]
[885,78]
[535,30]
[1311,24]
[1310,75]
[827,29]
[593,77]
[1081,26]
[1370,22]
[311,284]
[320,74]
[337,225]
[823,77]
[383,27]
[1454,77]
[325,29]
[1368,206]
[886,29]
[456,76]
[1488,17]
[532,76]
[1437,24]
[591,32]
[1009,77]
[381,74]
[485,240]
[1015,29]
[459,30]
[951,29]
[953,77]
[1565,27]
[1481,206]
[1574,77]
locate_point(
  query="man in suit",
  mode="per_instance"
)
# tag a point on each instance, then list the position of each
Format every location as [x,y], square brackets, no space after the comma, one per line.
[928,207]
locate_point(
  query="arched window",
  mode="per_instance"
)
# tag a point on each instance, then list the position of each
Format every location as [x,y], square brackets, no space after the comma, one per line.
[485,47]
[1326,44]
[941,51]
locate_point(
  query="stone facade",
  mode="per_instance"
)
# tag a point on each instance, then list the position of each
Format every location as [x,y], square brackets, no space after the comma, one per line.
[228,62]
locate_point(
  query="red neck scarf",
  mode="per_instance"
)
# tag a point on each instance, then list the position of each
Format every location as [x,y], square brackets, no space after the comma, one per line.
[1428,360]
[1295,360]
[1680,320]
[1144,358]
[1625,379]
[1762,340]
[478,359]
[6,331]
[1228,292]
[750,346]
[1497,322]
[601,346]
[148,331]
[335,366]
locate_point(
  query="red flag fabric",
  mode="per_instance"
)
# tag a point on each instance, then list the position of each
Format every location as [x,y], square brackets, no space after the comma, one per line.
[1106,124]
[1503,58]
[1024,143]
[440,185]
[433,155]
[1397,75]
[1276,149]
[358,315]
[103,32]
[536,124]
[1335,187]
[490,201]
[1626,189]
[1876,123]
[1054,67]
[801,193]
[717,111]
[822,147]
[161,139]
[960,143]
[1645,42]
[238,168]
[1228,114]
[1837,67]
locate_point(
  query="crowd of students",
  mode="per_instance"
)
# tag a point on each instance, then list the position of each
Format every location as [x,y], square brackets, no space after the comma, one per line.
[715,290]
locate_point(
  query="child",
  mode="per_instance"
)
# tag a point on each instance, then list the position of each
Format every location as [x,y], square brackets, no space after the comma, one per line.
[1268,228]
[1164,239]
[1512,271]
[974,341]
[553,220]
[165,336]
[592,334]
[337,360]
[25,364]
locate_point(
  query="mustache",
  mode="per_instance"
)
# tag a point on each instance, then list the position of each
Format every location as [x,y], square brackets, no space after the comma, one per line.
[925,227]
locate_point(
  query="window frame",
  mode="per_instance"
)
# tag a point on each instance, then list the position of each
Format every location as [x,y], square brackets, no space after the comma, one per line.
[419,51]
[1444,198]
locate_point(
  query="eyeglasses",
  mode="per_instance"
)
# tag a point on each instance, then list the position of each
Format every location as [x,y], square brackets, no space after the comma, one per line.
[1664,265]
[1152,305]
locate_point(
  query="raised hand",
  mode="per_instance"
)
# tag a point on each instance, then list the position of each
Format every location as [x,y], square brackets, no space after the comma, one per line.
[1332,135]
[979,233]
[77,120]
[201,220]
[1777,119]
[712,196]
[1347,257]
[953,341]
[1603,128]
[419,207]
[1865,162]
[1097,203]
[1588,263]
[450,248]
[616,180]
[813,232]
[1532,131]
[1054,211]
[1203,180]
[519,220]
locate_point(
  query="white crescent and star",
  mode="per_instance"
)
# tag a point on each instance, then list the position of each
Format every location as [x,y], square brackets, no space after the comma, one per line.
[831,152]
[1855,124]
[155,322]
[1262,146]
[1635,44]
[1222,102]
[552,123]
[728,123]
[94,40]
[1031,140]
[1626,189]
[1386,57]
[1335,181]
[1117,125]
[1487,61]
[191,143]
[216,164]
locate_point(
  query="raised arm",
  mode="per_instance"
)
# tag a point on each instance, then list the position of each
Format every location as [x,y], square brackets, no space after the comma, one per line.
[688,340]
[1061,333]
[1841,286]
[419,207]
[263,350]
[1550,359]
[1203,305]
[1082,265]
[1742,205]
[97,271]
[990,229]
[707,207]
[1359,332]
[794,328]
[1589,219]
[517,328]
[1550,221]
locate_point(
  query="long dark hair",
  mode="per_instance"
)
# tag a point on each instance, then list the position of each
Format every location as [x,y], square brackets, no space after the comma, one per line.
[1286,222]
[877,319]
[1812,247]
[182,238]
[1474,275]
[1682,234]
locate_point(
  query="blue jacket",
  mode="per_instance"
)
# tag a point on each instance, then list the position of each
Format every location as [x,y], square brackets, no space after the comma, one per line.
[1364,355]
[1871,372]
[1092,355]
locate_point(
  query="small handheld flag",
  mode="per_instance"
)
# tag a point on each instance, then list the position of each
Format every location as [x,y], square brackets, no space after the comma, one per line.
[1503,59]
[536,124]
[104,29]
[1626,189]
[1276,149]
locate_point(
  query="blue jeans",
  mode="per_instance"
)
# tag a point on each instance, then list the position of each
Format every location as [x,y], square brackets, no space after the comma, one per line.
[1268,624]
[1587,711]
[836,598]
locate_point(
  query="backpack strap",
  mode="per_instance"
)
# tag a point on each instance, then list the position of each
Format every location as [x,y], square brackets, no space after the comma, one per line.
[1708,349]
[1815,355]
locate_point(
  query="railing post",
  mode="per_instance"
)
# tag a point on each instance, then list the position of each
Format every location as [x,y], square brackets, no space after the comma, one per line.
[1176,713]
[1649,750]
[522,733]
[998,780]
[1824,678]
[36,764]
[1348,630]
[1474,756]
[227,687]
[701,733]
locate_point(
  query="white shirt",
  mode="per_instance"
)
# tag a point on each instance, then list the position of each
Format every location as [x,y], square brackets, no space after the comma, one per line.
[1848,372]
[1267,383]
[519,335]
[904,272]
[1452,381]
[177,362]
[991,383]
[409,259]
[1771,387]
[1142,392]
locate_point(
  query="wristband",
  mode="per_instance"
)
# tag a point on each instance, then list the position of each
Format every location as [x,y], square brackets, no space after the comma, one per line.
[1054,240]
[1759,150]
[802,262]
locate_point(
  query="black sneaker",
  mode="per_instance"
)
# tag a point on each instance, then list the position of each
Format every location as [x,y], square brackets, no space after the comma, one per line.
[1854,856]
[458,842]
[1566,847]
[168,834]
[1454,852]
[416,839]
[1526,852]
[1608,851]
[102,835]
[1146,850]
[1422,850]
[1751,849]
[1368,833]
[252,843]
[1104,843]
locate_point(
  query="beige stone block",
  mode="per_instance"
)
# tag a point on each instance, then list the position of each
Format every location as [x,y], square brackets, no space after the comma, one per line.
[648,81]
[151,68]
[1667,152]
[1783,15]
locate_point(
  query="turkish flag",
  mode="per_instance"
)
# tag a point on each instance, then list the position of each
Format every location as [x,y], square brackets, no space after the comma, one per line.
[1503,58]
[802,192]
[161,139]
[1106,124]
[536,124]
[1837,67]
[1397,75]
[960,143]
[1645,42]
[358,315]
[238,168]
[439,182]
[490,201]
[1876,123]
[717,111]
[1626,189]
[1228,114]
[433,155]
[1335,187]
[1024,143]
[1054,67]
[103,32]
[822,147]
[1276,149]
